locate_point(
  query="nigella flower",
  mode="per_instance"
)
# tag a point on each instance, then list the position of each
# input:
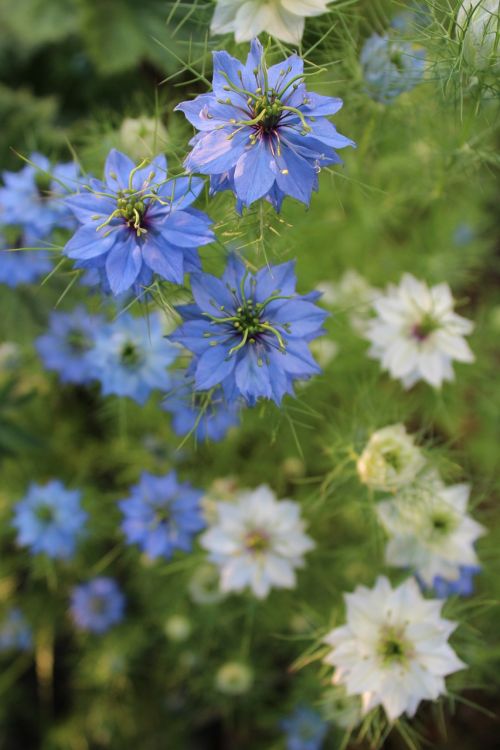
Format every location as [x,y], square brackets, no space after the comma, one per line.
[416,334]
[390,67]
[66,345]
[49,519]
[257,541]
[429,529]
[250,332]
[304,729]
[15,632]
[393,650]
[22,266]
[130,357]
[283,19]
[162,515]
[206,414]
[33,198]
[262,134]
[137,223]
[390,459]
[97,605]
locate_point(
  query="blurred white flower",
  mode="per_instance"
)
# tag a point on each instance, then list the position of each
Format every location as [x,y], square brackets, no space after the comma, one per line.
[478,28]
[416,333]
[353,295]
[430,531]
[257,541]
[143,137]
[10,355]
[390,459]
[234,678]
[177,628]
[393,650]
[283,19]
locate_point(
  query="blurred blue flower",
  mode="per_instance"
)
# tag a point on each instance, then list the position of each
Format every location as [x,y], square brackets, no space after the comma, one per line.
[463,586]
[97,605]
[22,266]
[390,67]
[137,223]
[49,519]
[65,347]
[463,235]
[304,729]
[162,515]
[33,198]
[250,332]
[130,357]
[15,633]
[262,134]
[208,415]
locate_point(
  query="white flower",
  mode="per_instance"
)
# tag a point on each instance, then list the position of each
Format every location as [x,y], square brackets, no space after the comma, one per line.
[393,650]
[234,678]
[257,541]
[324,350]
[429,529]
[478,27]
[390,459]
[203,586]
[283,19]
[416,334]
[353,295]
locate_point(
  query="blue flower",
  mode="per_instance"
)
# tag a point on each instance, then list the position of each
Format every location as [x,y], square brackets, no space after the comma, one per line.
[208,415]
[65,347]
[463,586]
[463,235]
[33,198]
[390,67]
[22,266]
[15,633]
[262,134]
[97,605]
[49,519]
[250,332]
[162,515]
[137,223]
[304,729]
[130,357]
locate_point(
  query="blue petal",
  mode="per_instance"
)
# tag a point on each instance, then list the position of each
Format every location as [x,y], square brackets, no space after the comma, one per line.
[87,243]
[211,293]
[123,265]
[164,259]
[255,173]
[213,367]
[117,170]
[217,151]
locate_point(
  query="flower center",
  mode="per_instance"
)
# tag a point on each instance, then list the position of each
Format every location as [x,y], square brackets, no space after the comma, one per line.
[130,356]
[422,330]
[77,341]
[98,605]
[393,459]
[392,647]
[267,111]
[131,207]
[256,541]
[45,513]
[442,524]
[42,183]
